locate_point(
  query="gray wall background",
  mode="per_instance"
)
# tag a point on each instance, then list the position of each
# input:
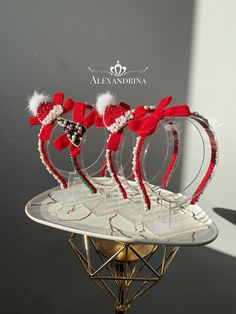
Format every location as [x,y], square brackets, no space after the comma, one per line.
[49,45]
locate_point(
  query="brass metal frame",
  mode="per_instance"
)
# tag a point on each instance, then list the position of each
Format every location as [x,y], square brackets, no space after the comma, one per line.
[116,276]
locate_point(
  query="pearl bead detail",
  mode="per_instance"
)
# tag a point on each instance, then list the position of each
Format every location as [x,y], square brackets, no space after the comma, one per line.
[47,165]
[52,115]
[120,122]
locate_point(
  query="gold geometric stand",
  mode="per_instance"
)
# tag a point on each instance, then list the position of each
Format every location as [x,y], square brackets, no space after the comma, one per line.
[123,270]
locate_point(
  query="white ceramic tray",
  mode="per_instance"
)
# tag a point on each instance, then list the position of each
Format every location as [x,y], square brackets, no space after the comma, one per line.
[107,216]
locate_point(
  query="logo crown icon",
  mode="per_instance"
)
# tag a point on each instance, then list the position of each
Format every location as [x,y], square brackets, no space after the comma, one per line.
[118,69]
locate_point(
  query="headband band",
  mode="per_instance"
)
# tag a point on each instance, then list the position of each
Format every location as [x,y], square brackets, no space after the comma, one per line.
[119,116]
[73,133]
[45,113]
[115,117]
[213,159]
[149,126]
[169,170]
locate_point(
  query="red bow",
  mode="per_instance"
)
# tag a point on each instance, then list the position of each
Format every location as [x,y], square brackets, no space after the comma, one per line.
[148,125]
[47,129]
[78,116]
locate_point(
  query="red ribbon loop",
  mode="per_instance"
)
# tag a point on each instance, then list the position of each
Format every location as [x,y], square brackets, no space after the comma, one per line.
[150,123]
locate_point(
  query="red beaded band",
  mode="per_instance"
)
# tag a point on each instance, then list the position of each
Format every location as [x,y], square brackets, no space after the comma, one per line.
[48,165]
[174,156]
[213,159]
[45,113]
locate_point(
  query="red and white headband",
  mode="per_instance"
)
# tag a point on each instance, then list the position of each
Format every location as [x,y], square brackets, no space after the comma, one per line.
[48,113]
[149,125]
[73,132]
[115,117]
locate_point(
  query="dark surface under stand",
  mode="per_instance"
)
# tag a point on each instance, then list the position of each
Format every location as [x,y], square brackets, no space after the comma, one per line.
[200,280]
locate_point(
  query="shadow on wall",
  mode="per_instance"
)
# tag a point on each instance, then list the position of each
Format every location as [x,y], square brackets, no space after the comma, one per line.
[228,214]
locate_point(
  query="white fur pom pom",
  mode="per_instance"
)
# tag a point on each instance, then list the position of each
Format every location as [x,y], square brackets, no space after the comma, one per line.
[104,100]
[35,100]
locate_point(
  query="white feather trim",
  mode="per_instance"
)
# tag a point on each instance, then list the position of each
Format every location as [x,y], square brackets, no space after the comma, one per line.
[35,100]
[105,100]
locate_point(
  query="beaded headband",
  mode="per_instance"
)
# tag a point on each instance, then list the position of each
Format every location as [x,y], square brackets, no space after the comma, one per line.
[149,125]
[115,117]
[73,132]
[45,112]
[49,114]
